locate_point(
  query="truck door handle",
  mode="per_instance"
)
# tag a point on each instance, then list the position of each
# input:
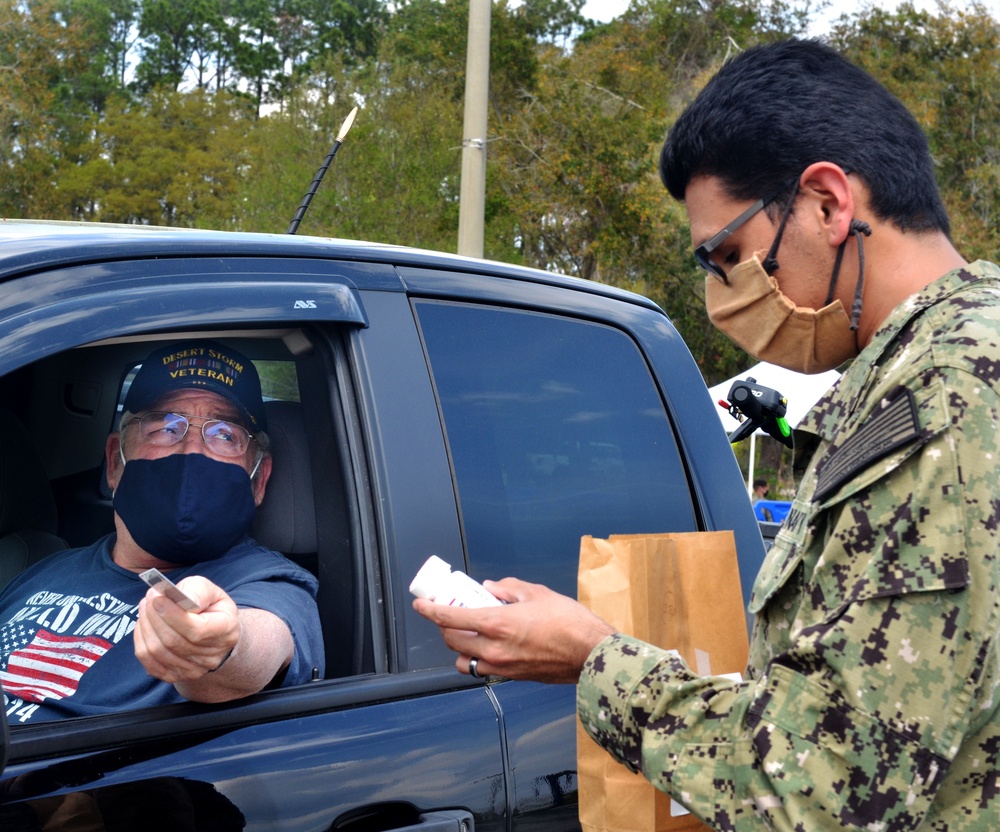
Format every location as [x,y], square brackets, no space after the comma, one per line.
[394,816]
[445,821]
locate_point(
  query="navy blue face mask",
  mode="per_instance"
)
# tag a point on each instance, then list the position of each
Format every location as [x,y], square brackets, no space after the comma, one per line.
[185,508]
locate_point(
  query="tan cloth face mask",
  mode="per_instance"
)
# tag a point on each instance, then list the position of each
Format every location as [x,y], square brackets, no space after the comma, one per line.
[755,314]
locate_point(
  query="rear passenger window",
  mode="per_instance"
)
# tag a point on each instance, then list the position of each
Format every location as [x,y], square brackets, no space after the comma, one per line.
[556,430]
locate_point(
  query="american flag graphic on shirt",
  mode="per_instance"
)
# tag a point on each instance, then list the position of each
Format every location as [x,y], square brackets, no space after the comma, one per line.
[41,665]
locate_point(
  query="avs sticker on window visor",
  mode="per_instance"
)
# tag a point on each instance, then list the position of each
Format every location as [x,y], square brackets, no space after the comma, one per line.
[891,427]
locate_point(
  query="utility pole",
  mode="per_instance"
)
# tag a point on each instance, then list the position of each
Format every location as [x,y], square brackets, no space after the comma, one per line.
[472,193]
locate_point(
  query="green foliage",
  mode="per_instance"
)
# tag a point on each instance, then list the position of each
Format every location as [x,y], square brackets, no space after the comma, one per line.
[175,32]
[278,380]
[944,67]
[41,55]
[170,159]
[233,104]
[552,20]
[108,29]
[395,179]
[573,179]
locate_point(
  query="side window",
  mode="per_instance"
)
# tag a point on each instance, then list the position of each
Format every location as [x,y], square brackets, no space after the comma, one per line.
[278,380]
[556,430]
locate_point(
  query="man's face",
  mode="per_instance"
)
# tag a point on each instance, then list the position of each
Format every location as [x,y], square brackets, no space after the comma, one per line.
[199,406]
[800,275]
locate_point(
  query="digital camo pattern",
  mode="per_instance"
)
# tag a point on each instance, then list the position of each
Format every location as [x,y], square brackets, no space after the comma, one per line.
[873,693]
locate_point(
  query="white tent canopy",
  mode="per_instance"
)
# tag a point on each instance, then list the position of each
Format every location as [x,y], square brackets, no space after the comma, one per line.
[801,390]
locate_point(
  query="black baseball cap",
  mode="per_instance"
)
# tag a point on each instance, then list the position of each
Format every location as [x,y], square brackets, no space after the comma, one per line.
[200,364]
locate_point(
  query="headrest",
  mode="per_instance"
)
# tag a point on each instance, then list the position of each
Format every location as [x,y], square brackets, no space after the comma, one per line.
[26,499]
[286,520]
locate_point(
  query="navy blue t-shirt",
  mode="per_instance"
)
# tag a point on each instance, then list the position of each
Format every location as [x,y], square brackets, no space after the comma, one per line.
[66,626]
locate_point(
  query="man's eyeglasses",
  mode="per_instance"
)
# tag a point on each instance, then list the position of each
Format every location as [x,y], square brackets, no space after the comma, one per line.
[164,430]
[703,253]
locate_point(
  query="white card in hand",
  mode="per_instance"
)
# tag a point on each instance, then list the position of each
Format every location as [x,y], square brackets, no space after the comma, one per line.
[162,584]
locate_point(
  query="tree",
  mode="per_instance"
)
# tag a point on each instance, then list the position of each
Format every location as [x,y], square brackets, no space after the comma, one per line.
[110,29]
[944,68]
[173,158]
[555,21]
[252,43]
[40,56]
[573,184]
[574,134]
[397,180]
[394,181]
[174,32]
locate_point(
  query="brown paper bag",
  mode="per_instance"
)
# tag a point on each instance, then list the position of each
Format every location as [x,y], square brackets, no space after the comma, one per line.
[677,591]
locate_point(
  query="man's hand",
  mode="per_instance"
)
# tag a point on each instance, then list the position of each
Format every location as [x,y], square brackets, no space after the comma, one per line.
[538,635]
[216,654]
[175,645]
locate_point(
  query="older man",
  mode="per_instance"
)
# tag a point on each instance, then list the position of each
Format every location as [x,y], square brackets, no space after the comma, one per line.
[83,635]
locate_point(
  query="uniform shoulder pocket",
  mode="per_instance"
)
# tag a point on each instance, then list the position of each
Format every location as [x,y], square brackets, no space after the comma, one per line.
[897,525]
[900,426]
[894,425]
[885,515]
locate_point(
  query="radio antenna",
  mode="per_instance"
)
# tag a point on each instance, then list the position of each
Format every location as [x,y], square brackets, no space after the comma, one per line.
[314,186]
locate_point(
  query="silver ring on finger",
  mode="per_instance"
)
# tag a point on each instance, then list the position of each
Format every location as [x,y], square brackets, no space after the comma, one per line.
[473,665]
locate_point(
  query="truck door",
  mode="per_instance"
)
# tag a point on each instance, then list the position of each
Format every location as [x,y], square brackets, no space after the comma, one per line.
[390,739]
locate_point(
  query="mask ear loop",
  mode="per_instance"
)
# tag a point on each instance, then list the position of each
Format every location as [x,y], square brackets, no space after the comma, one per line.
[860,229]
[256,465]
[121,442]
[770,264]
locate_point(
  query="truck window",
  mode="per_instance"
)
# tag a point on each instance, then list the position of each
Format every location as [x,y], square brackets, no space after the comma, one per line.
[556,430]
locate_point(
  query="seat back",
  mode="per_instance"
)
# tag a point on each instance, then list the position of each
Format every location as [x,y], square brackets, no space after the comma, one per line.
[306,520]
[286,520]
[28,517]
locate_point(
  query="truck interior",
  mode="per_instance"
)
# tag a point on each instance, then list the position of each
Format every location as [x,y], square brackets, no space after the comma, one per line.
[57,414]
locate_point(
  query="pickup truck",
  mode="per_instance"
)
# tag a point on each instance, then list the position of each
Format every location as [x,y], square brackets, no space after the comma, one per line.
[419,403]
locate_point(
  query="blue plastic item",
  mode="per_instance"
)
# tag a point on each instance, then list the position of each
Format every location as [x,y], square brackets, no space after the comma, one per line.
[777,509]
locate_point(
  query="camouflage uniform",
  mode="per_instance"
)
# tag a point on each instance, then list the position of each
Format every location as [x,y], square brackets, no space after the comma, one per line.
[872,697]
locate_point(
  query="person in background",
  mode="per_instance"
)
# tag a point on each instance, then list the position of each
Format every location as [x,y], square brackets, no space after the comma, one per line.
[871,699]
[760,493]
[81,634]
